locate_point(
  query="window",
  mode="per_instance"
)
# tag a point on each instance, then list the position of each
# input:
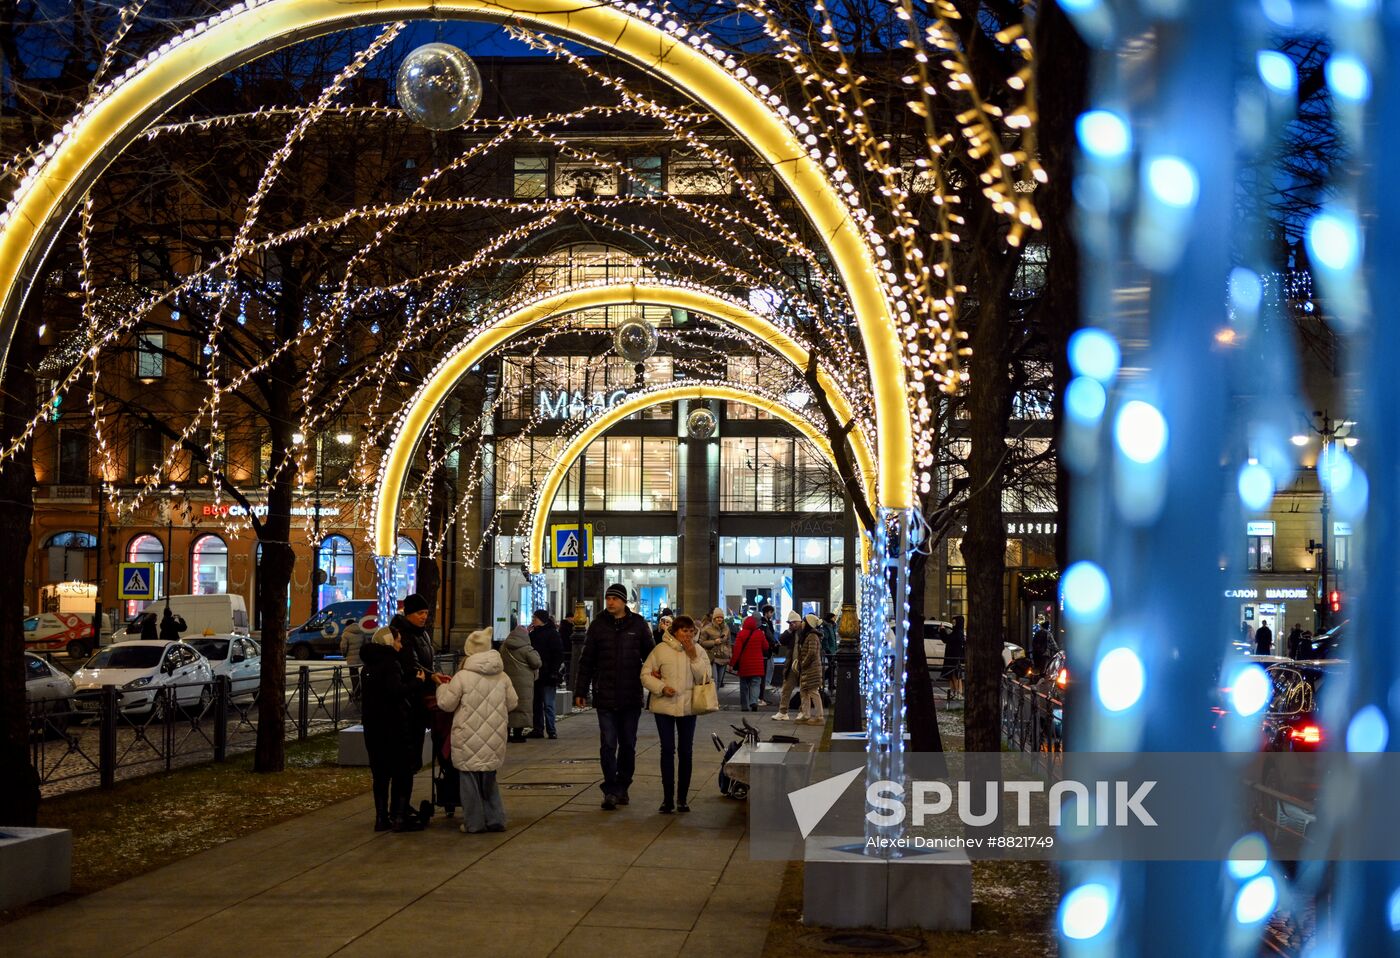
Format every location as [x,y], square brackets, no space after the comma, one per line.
[638,550]
[575,387]
[336,459]
[696,175]
[257,606]
[147,451]
[150,355]
[36,668]
[1259,549]
[74,464]
[209,565]
[405,568]
[531,177]
[622,473]
[589,262]
[643,175]
[1341,552]
[775,475]
[337,570]
[72,540]
[762,372]
[147,548]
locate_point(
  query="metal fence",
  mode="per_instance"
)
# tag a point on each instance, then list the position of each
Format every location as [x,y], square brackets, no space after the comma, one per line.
[1032,720]
[105,735]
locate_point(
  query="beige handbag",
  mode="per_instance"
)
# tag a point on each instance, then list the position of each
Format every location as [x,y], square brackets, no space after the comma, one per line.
[704,698]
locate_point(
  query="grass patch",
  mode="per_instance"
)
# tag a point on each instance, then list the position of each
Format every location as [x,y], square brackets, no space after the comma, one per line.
[144,823]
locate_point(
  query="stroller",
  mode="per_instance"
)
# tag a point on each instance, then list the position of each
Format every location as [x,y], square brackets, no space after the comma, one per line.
[447,785]
[735,785]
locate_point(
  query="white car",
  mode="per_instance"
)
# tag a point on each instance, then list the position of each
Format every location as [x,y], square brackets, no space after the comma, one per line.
[934,632]
[140,670]
[238,658]
[46,686]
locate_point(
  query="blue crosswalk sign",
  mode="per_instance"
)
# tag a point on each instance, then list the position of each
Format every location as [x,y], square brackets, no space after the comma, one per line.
[138,580]
[571,547]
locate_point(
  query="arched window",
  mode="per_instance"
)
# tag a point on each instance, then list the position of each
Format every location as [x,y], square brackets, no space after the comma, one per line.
[209,565]
[405,568]
[68,554]
[337,563]
[71,540]
[147,548]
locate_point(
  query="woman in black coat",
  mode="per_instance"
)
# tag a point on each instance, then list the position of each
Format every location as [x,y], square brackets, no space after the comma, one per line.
[392,710]
[544,637]
[954,651]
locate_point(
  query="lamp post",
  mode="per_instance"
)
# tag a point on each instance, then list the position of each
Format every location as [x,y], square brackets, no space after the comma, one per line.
[1330,431]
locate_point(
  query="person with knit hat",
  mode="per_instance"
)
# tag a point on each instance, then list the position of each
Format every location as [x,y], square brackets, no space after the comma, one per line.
[809,668]
[714,639]
[412,626]
[480,697]
[390,696]
[791,677]
[609,669]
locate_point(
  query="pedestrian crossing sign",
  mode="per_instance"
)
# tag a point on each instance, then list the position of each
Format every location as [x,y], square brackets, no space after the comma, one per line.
[570,547]
[138,581]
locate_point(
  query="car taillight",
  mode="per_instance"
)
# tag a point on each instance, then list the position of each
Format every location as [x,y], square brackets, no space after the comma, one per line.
[1063,678]
[1308,734]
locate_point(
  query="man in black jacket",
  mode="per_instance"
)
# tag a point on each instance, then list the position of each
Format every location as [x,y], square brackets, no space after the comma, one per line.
[619,641]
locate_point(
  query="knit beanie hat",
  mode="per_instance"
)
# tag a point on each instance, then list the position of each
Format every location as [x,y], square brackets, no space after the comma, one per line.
[478,641]
[414,603]
[794,617]
[812,621]
[384,636]
[617,590]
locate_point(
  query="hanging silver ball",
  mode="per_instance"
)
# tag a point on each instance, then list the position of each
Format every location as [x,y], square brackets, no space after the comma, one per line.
[635,340]
[701,423]
[439,86]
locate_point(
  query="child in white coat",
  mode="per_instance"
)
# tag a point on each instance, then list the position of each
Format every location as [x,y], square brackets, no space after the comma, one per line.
[480,697]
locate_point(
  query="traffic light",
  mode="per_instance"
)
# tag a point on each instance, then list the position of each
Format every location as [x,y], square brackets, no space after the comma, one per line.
[1334,601]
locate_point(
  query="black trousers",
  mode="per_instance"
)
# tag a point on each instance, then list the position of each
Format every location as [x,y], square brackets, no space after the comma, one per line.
[677,735]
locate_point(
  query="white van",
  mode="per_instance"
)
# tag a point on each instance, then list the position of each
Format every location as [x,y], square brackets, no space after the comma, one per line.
[216,615]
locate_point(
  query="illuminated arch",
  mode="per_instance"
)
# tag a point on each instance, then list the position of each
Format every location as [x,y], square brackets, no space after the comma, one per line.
[88,142]
[398,457]
[549,488]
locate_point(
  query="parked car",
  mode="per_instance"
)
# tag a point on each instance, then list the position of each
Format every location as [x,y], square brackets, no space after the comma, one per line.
[66,632]
[238,658]
[1293,722]
[220,614]
[320,635]
[140,670]
[48,690]
[936,631]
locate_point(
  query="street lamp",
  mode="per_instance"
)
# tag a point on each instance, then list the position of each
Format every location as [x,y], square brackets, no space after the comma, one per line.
[1331,432]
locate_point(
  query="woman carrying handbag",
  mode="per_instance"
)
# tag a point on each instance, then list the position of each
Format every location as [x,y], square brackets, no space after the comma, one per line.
[676,673]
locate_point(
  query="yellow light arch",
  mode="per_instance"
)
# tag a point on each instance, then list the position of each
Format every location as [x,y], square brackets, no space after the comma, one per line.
[94,137]
[549,488]
[414,422]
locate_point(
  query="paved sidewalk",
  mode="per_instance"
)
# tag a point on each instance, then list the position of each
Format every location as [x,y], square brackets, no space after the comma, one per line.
[566,878]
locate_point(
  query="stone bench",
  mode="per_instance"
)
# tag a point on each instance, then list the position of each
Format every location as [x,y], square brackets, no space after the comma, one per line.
[34,863]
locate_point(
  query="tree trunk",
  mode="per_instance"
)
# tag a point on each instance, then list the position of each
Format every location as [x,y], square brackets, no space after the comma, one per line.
[1063,60]
[984,546]
[19,793]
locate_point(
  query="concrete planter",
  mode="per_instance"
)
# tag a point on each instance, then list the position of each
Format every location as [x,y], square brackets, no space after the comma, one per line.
[353,752]
[843,888]
[34,863]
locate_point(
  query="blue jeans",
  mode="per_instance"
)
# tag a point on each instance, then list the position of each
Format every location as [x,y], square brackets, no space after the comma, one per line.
[750,690]
[720,668]
[544,707]
[666,727]
[617,735]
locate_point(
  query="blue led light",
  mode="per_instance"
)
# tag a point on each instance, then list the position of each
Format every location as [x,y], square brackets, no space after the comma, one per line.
[1277,71]
[1334,240]
[1348,78]
[1094,353]
[1085,400]
[1256,486]
[1249,689]
[1085,591]
[1246,289]
[1173,181]
[1256,900]
[1120,679]
[1140,431]
[1104,135]
[1248,856]
[1368,731]
[1086,911]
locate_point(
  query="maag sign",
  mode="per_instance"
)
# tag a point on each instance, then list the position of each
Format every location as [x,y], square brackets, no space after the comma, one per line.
[563,404]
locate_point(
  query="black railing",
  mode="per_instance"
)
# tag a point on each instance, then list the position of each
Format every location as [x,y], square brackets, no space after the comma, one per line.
[1032,720]
[107,734]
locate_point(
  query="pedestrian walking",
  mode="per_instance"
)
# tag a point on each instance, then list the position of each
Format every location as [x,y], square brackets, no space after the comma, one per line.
[1295,642]
[393,717]
[150,631]
[831,642]
[619,641]
[351,638]
[663,624]
[954,651]
[544,637]
[714,639]
[480,697]
[671,670]
[765,622]
[1264,639]
[791,674]
[809,670]
[1043,645]
[522,665]
[750,661]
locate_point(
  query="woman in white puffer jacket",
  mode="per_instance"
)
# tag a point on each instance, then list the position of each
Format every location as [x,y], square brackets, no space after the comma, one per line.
[480,698]
[675,666]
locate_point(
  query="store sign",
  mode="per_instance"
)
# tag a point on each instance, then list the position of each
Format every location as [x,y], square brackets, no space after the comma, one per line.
[1032,528]
[261,510]
[567,404]
[1341,528]
[1268,593]
[1259,528]
[138,581]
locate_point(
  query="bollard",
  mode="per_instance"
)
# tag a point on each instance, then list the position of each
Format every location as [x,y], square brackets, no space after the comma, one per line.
[303,696]
[107,736]
[221,702]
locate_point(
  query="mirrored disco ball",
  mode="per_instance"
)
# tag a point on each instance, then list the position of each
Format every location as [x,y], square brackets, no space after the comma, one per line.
[439,86]
[700,424]
[635,340]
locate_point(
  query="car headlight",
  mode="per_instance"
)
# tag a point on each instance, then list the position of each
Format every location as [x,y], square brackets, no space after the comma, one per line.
[137,683]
